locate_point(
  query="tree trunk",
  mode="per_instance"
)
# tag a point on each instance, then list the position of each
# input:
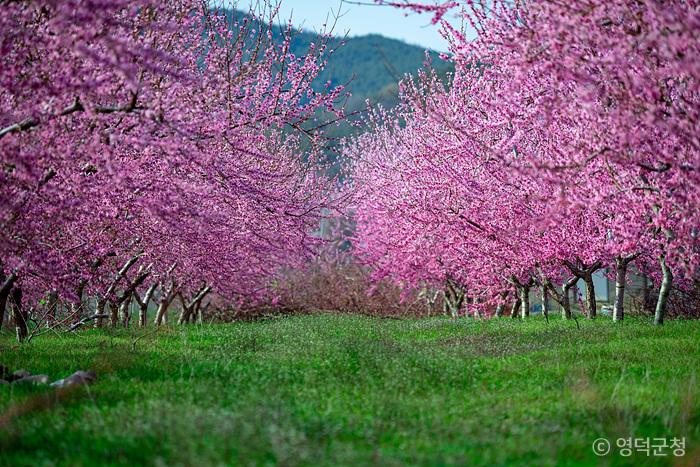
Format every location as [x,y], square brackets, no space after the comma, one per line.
[197,315]
[621,264]
[620,279]
[76,307]
[143,314]
[525,301]
[563,297]
[113,314]
[454,297]
[665,291]
[500,308]
[591,305]
[125,312]
[184,314]
[477,311]
[19,315]
[565,305]
[3,305]
[51,307]
[459,302]
[201,312]
[514,309]
[162,311]
[566,297]
[143,304]
[6,284]
[446,301]
[4,294]
[585,273]
[545,299]
[195,312]
[99,311]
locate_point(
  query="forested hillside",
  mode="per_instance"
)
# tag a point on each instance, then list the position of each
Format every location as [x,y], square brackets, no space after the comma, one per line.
[369,66]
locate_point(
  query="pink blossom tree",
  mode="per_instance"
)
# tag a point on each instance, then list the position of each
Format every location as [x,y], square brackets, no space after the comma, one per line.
[589,110]
[165,147]
[446,197]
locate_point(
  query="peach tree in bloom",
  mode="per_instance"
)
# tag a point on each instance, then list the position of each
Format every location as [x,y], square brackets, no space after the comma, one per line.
[566,141]
[153,150]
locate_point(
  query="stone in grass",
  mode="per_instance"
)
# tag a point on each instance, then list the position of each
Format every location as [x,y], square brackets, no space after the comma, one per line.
[33,379]
[77,378]
[19,374]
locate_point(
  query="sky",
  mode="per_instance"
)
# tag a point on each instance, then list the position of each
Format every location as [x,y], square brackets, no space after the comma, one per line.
[359,20]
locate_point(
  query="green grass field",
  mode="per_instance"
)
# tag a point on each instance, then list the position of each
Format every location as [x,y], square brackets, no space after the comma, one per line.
[346,390]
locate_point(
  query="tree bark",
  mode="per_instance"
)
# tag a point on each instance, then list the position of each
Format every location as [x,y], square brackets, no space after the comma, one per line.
[566,297]
[112,286]
[666,284]
[125,311]
[167,296]
[591,304]
[185,313]
[6,284]
[500,308]
[545,299]
[123,301]
[51,307]
[77,305]
[3,305]
[99,311]
[514,309]
[201,310]
[195,312]
[143,314]
[19,315]
[113,314]
[525,301]
[188,309]
[585,273]
[143,304]
[621,264]
[565,305]
[620,280]
[523,291]
[163,305]
[454,297]
[563,297]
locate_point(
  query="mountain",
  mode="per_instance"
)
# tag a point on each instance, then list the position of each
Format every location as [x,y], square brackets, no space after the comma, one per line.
[371,66]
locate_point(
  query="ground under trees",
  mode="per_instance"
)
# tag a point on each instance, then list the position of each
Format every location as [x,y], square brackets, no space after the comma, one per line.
[338,389]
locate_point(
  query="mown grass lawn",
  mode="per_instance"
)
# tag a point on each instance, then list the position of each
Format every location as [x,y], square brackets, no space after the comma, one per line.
[346,390]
